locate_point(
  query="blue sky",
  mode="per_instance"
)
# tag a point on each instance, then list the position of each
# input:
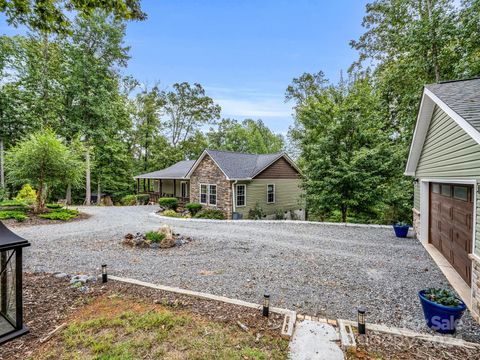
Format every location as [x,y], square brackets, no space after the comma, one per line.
[244,53]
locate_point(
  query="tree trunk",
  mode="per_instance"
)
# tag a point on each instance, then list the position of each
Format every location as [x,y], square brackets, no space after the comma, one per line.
[344,214]
[2,167]
[99,197]
[88,190]
[41,197]
[68,195]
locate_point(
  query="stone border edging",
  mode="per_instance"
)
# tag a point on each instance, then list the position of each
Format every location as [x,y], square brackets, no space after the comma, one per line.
[298,222]
[289,320]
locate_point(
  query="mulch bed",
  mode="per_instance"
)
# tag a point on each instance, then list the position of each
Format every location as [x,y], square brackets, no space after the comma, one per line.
[377,345]
[34,221]
[50,301]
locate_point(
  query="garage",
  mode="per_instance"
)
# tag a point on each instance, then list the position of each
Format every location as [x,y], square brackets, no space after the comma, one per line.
[451,221]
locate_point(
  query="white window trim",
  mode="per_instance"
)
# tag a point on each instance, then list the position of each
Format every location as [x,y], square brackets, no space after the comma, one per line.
[216,194]
[244,195]
[274,194]
[200,194]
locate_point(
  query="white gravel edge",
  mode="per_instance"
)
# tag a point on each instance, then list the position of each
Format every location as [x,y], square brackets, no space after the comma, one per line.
[297,222]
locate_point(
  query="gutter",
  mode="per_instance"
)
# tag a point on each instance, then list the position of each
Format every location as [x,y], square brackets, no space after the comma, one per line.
[233,196]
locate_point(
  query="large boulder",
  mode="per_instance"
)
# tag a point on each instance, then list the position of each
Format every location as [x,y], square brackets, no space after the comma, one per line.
[169,240]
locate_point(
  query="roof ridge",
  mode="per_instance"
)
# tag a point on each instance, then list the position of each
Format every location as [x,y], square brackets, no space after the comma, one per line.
[243,153]
[454,81]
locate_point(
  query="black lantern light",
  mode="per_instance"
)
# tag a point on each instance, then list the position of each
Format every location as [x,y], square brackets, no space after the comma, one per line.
[266,305]
[11,276]
[361,321]
[104,273]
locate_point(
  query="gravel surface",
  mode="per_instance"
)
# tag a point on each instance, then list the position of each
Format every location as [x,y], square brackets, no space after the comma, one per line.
[315,269]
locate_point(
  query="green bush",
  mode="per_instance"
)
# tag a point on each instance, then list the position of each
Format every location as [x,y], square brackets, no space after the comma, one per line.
[154,237]
[13,214]
[194,208]
[129,200]
[54,206]
[279,214]
[60,214]
[170,213]
[210,214]
[168,203]
[27,194]
[143,199]
[12,203]
[256,213]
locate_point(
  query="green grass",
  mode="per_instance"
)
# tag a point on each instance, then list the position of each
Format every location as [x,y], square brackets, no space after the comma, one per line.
[60,214]
[154,236]
[118,328]
[54,206]
[18,215]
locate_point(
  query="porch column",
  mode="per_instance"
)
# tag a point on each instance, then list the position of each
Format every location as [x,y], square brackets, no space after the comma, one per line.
[174,188]
[138,185]
[144,181]
[148,184]
[161,190]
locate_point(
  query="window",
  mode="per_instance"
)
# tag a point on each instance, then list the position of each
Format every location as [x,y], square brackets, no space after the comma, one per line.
[270,193]
[436,188]
[241,195]
[203,194]
[212,198]
[208,194]
[446,190]
[460,192]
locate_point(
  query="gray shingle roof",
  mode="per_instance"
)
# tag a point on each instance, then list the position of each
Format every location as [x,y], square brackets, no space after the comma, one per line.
[176,171]
[242,166]
[463,97]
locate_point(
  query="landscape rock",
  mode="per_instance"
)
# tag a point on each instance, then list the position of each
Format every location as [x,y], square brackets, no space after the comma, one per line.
[61,275]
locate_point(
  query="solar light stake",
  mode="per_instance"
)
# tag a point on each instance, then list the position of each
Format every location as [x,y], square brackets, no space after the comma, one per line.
[266,305]
[104,273]
[361,321]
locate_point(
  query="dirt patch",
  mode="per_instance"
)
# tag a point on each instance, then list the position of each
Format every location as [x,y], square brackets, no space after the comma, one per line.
[50,302]
[376,345]
[35,221]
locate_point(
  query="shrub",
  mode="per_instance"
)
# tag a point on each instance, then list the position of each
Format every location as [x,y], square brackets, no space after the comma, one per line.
[27,194]
[279,214]
[256,213]
[129,200]
[13,214]
[210,214]
[442,297]
[60,214]
[154,237]
[168,203]
[143,199]
[193,208]
[170,213]
[12,203]
[54,206]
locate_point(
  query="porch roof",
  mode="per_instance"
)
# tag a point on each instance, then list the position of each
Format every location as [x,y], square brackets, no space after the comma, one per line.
[176,171]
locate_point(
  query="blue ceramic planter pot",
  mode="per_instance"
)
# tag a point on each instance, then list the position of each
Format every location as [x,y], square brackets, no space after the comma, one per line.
[442,319]
[401,231]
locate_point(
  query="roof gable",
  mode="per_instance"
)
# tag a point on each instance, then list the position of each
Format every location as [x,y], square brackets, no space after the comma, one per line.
[430,98]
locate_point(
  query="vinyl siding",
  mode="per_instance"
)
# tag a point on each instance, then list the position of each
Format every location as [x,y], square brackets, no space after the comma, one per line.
[416,196]
[287,196]
[449,153]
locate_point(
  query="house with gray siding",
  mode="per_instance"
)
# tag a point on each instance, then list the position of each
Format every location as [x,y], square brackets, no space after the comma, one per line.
[444,162]
[232,182]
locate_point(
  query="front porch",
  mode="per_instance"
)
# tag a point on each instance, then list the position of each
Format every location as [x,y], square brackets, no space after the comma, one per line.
[158,188]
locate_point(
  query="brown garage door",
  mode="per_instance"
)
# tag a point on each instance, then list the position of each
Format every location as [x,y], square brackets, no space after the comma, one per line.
[451,221]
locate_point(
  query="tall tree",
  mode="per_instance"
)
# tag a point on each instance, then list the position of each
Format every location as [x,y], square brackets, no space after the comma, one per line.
[248,136]
[186,110]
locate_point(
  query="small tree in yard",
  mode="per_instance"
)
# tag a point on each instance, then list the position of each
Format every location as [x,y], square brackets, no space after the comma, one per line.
[42,160]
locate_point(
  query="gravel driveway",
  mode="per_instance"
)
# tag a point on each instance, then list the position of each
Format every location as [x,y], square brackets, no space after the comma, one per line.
[316,269]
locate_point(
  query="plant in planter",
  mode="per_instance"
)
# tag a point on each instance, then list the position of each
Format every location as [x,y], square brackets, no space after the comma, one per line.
[442,309]
[401,229]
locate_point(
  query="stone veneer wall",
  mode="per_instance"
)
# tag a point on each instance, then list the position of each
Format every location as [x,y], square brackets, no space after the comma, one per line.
[207,172]
[475,287]
[416,222]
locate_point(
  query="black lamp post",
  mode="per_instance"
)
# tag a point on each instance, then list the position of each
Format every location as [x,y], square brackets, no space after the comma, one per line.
[266,305]
[104,273]
[361,321]
[11,276]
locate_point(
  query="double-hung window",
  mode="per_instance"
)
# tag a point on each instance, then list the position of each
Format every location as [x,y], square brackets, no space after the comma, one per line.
[270,193]
[241,195]
[208,194]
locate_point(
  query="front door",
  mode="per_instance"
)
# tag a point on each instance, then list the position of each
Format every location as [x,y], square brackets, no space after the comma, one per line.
[184,189]
[451,222]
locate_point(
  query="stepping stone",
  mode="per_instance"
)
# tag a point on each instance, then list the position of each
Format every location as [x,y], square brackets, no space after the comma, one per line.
[313,340]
